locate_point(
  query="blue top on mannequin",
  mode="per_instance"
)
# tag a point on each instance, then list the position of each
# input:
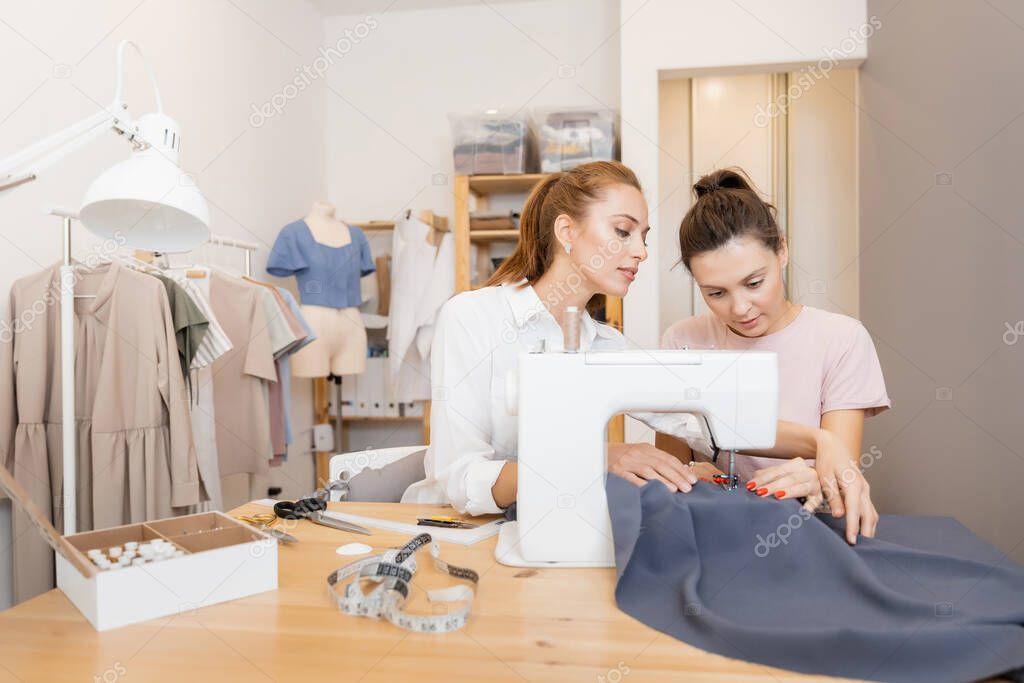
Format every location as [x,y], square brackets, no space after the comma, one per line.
[327,276]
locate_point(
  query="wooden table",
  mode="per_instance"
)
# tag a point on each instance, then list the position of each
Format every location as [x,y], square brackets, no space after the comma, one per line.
[526,625]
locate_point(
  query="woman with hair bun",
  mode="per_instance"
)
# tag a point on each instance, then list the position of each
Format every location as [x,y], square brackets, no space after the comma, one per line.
[830,379]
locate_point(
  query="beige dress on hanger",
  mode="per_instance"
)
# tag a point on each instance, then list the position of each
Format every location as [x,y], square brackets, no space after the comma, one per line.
[135,457]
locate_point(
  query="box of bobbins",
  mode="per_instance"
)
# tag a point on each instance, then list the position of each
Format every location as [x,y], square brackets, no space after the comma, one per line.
[127,574]
[164,567]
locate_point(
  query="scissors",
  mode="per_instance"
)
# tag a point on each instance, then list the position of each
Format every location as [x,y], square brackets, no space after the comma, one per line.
[313,510]
[264,522]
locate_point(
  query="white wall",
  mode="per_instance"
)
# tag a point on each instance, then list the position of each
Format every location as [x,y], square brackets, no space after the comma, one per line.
[388,140]
[824,230]
[213,61]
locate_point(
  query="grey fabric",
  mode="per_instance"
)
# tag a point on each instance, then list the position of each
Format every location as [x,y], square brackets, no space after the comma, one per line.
[387,484]
[925,600]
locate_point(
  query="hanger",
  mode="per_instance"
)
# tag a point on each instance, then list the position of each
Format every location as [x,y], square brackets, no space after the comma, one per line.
[205,265]
[195,271]
[138,263]
[76,264]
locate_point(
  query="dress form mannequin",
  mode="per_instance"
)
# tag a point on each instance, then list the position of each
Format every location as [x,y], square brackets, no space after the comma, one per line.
[326,227]
[323,243]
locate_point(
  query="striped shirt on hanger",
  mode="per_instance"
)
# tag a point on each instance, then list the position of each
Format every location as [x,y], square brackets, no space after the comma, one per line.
[215,342]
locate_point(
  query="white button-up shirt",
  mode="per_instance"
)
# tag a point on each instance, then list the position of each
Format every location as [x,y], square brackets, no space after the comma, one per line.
[479,337]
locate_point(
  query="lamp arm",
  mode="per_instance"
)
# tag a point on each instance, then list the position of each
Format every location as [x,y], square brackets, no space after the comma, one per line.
[50,148]
[119,90]
[26,165]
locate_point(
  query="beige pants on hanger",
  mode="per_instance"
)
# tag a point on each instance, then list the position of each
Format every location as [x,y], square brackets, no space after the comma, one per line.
[340,345]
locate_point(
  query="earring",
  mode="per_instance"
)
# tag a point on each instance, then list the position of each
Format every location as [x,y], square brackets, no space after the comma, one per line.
[568,248]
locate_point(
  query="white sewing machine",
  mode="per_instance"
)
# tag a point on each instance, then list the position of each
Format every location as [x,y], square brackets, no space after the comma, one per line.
[564,402]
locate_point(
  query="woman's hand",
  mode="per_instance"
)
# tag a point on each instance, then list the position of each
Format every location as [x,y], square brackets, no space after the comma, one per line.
[844,486]
[792,479]
[641,462]
[705,471]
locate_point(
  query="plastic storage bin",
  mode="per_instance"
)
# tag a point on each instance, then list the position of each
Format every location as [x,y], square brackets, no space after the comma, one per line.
[493,144]
[570,137]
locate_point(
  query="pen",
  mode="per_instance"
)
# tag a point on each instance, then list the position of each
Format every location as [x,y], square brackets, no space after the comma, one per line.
[448,522]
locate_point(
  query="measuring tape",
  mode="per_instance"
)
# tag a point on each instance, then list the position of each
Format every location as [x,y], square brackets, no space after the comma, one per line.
[392,571]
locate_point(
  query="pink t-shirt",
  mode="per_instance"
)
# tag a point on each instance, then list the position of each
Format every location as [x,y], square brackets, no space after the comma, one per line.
[827,362]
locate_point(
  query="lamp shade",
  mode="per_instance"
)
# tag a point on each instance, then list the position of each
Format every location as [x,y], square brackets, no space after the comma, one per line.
[147,201]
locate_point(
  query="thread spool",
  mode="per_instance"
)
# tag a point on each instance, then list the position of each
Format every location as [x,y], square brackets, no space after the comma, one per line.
[571,329]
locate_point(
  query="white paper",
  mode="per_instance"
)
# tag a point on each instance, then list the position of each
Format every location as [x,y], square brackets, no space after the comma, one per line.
[458,536]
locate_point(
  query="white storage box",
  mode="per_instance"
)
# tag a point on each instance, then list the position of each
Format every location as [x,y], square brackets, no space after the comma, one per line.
[224,559]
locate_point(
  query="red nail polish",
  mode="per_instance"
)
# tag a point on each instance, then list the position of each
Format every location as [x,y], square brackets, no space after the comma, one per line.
[761,491]
[751,485]
[780,493]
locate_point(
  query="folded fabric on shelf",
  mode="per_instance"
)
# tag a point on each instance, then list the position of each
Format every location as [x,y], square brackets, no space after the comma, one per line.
[494,221]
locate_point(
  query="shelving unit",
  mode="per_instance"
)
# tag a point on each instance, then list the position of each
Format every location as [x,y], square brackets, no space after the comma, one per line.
[375,226]
[483,185]
[481,188]
[322,386]
[493,235]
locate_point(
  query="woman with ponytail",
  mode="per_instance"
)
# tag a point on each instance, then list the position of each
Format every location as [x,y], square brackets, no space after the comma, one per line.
[582,232]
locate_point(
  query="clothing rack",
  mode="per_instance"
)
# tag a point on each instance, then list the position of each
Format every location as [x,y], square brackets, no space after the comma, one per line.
[69,443]
[248,248]
[67,372]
